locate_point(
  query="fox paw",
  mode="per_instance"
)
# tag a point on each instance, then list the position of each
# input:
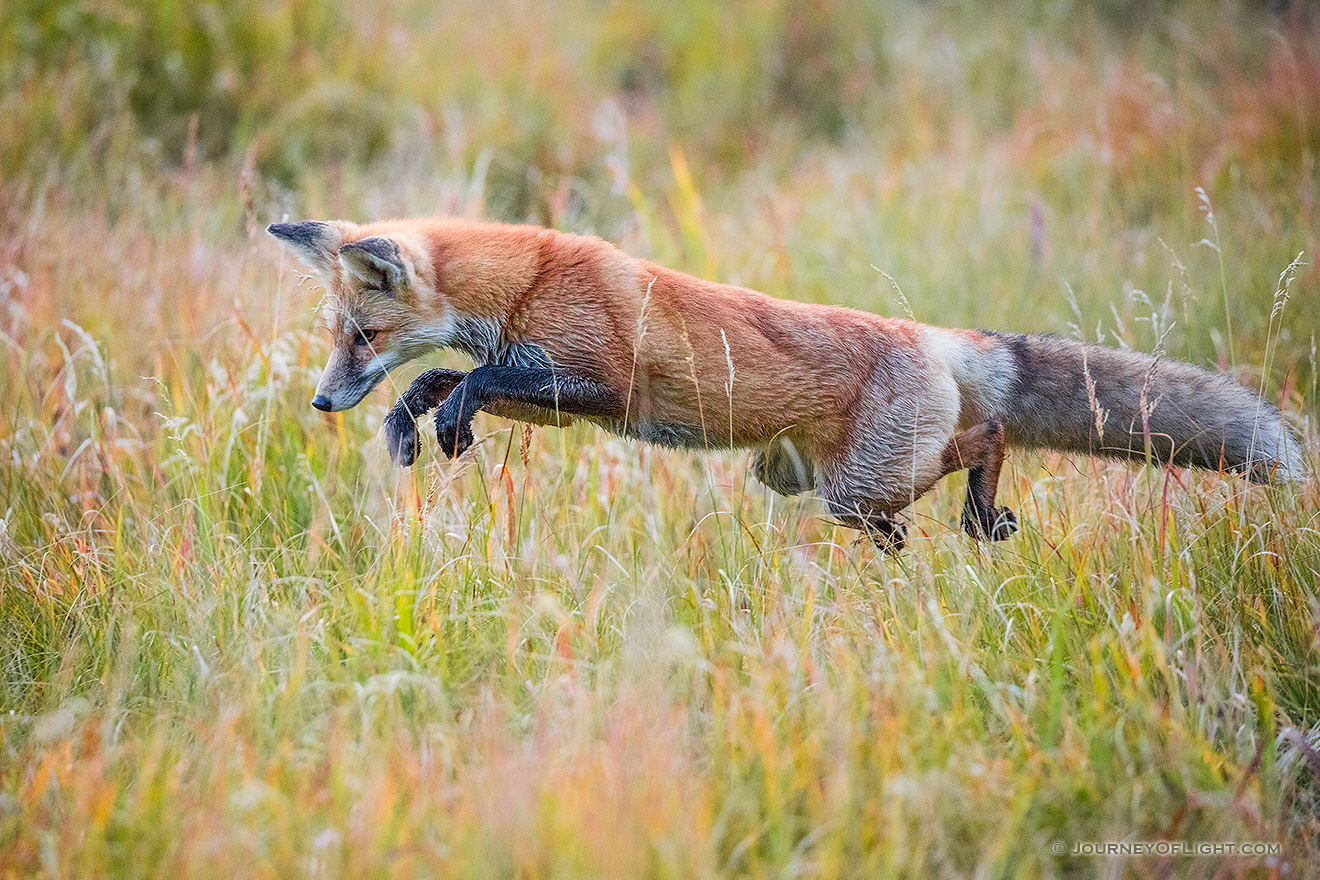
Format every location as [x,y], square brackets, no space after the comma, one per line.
[401,436]
[998,526]
[455,437]
[891,537]
[888,534]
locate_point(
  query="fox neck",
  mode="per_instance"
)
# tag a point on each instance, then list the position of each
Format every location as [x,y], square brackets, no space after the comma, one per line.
[482,277]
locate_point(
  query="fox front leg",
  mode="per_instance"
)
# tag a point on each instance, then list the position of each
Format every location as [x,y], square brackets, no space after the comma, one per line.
[492,387]
[422,396]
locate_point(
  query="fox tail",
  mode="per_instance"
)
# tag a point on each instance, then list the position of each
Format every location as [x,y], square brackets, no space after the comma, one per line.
[1076,397]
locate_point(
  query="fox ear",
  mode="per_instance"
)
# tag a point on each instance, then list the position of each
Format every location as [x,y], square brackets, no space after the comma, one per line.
[376,262]
[314,242]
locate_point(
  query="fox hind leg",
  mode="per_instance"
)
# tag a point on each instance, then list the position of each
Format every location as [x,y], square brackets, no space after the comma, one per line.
[886,531]
[981,451]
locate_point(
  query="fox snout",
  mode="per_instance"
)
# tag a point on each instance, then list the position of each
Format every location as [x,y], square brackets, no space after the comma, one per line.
[344,382]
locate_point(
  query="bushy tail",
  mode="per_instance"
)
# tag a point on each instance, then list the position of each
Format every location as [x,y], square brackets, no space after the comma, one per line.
[1087,398]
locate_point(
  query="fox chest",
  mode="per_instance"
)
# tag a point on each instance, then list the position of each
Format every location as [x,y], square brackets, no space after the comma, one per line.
[482,341]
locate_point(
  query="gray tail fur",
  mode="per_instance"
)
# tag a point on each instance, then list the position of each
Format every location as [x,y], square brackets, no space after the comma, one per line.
[1077,397]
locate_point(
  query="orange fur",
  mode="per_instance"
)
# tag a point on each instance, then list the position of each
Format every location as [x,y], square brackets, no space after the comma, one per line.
[581,299]
[867,411]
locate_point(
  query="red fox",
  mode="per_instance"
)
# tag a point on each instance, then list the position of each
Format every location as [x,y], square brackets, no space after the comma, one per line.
[868,412]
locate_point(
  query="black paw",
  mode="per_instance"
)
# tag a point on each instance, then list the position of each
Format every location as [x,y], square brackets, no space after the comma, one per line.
[890,537]
[455,436]
[400,430]
[999,525]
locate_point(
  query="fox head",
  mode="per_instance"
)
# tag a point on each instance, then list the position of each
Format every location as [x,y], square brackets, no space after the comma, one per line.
[373,285]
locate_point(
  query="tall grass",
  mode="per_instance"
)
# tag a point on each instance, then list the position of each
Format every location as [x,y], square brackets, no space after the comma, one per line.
[236,642]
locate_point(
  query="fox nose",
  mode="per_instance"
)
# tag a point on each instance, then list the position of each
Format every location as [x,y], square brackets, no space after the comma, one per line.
[321,402]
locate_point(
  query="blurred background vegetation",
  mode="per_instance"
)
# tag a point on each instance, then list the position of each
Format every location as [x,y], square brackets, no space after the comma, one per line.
[1188,87]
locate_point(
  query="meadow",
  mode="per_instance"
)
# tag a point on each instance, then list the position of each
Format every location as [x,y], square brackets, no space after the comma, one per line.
[236,641]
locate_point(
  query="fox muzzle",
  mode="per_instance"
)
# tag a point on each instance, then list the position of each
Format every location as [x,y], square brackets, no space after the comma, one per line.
[343,383]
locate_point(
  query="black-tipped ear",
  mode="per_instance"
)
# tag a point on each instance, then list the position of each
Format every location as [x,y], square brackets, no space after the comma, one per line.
[376,261]
[314,242]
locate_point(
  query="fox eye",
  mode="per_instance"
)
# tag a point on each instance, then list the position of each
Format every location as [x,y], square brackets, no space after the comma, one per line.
[364,337]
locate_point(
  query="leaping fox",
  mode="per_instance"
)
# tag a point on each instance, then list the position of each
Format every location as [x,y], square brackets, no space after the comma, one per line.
[868,412]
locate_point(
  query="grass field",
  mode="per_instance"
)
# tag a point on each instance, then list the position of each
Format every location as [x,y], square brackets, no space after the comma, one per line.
[236,642]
